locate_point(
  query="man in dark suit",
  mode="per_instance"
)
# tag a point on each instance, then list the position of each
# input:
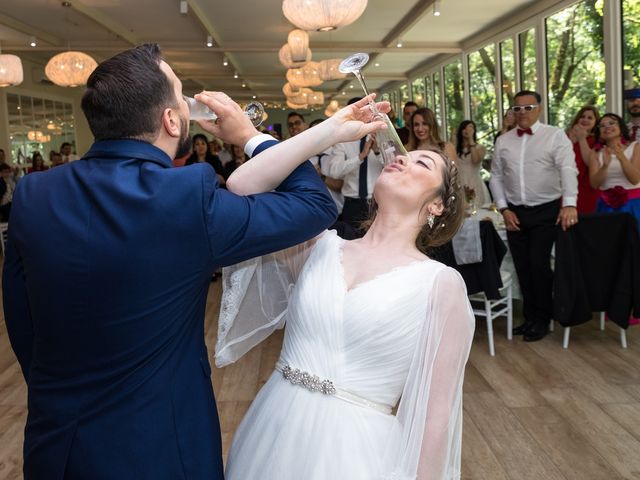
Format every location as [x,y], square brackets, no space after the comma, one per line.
[108,265]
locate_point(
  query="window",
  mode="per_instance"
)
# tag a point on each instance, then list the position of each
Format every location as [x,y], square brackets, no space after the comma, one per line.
[508,69]
[527,49]
[428,87]
[436,98]
[453,96]
[482,91]
[404,95]
[417,91]
[37,125]
[631,43]
[575,61]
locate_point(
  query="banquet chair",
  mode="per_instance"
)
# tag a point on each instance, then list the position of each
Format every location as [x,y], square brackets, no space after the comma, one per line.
[496,308]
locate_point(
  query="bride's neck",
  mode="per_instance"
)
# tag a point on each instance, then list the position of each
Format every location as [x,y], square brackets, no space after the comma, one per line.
[392,232]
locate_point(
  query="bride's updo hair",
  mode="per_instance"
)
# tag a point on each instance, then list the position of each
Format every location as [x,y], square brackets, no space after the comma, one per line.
[446,225]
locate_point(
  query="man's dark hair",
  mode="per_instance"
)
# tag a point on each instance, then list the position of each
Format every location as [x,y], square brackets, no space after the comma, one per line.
[127,94]
[410,104]
[64,144]
[526,93]
[295,114]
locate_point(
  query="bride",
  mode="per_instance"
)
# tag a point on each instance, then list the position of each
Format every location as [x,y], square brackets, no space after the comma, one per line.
[369,380]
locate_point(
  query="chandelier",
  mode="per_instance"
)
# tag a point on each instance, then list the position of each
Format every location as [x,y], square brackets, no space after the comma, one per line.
[298,41]
[307,76]
[329,70]
[10,70]
[296,106]
[290,90]
[70,69]
[323,15]
[38,136]
[286,58]
[332,108]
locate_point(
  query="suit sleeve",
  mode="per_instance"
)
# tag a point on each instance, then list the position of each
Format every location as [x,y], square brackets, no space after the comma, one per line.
[242,227]
[17,313]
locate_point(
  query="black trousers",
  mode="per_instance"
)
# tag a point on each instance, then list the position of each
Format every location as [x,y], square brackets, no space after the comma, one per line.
[531,252]
[354,212]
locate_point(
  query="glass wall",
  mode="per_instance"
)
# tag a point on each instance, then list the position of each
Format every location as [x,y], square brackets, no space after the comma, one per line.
[436,98]
[453,96]
[508,69]
[428,88]
[630,44]
[482,91]
[527,50]
[575,61]
[418,92]
[38,125]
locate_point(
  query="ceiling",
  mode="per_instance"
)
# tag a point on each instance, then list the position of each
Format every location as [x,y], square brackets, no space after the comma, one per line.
[249,33]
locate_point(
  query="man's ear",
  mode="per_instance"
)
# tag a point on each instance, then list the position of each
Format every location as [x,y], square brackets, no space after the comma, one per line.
[171,122]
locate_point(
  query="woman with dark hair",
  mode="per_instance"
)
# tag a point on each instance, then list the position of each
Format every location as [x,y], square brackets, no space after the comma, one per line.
[372,325]
[424,134]
[238,157]
[614,167]
[202,154]
[37,163]
[470,157]
[582,135]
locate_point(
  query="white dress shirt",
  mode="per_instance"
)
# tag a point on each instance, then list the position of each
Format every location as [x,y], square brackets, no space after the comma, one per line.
[72,157]
[344,162]
[534,169]
[338,198]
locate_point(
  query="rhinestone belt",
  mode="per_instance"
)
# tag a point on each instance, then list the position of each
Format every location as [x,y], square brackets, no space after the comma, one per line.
[314,384]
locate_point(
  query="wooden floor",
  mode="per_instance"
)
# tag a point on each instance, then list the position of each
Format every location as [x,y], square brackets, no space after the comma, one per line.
[535,411]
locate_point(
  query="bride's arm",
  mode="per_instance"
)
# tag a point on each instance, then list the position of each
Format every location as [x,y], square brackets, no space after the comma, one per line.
[268,169]
[442,438]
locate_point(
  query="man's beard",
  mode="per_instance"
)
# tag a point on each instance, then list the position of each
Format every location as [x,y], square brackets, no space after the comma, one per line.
[634,111]
[184,145]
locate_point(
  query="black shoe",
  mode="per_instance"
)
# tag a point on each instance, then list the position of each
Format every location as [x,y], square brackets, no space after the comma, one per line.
[522,329]
[536,333]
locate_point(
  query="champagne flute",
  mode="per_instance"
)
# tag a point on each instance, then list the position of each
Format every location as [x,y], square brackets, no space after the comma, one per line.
[388,140]
[199,111]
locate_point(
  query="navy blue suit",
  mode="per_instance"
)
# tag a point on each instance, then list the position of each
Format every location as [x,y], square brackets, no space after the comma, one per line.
[108,265]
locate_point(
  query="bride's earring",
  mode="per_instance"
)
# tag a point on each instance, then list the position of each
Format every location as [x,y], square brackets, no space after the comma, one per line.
[431,219]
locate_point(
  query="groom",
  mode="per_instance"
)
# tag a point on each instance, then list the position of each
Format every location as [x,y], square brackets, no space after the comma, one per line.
[106,276]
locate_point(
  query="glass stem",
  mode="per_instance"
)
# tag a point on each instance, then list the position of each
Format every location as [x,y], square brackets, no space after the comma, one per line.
[358,75]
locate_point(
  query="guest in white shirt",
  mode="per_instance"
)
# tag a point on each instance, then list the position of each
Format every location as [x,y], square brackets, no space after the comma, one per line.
[67,156]
[632,96]
[533,168]
[358,164]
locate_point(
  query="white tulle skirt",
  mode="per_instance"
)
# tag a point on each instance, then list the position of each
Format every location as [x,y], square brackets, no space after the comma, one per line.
[290,433]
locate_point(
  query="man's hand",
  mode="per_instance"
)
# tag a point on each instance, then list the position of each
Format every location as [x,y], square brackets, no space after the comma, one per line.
[232,125]
[357,120]
[511,221]
[567,217]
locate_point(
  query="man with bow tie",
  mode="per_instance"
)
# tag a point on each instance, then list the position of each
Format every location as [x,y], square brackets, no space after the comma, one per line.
[632,96]
[534,184]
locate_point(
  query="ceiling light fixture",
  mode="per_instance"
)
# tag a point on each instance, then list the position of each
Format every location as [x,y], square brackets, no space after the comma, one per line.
[322,15]
[436,8]
[11,73]
[209,41]
[225,62]
[329,70]
[70,69]
[399,44]
[244,85]
[184,7]
[298,41]
[235,74]
[32,41]
[286,57]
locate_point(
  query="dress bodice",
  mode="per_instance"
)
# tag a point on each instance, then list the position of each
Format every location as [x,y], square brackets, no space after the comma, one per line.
[362,339]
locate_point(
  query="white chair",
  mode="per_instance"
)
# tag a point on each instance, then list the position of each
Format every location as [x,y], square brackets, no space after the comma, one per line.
[623,334]
[496,308]
[4,229]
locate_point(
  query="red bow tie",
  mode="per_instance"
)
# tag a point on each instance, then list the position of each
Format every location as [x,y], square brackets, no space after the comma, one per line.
[522,131]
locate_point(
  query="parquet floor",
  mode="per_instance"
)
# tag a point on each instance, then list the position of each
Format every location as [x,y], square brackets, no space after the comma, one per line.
[535,411]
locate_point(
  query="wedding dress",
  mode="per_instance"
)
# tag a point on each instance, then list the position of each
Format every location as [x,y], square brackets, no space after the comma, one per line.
[403,335]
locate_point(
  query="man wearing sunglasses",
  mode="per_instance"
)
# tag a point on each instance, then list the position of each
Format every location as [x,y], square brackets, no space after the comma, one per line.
[534,184]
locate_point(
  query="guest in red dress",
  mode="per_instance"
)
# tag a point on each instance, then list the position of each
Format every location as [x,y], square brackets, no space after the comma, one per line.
[582,135]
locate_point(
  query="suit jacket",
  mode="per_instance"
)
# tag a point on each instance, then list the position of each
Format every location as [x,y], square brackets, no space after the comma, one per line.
[109,260]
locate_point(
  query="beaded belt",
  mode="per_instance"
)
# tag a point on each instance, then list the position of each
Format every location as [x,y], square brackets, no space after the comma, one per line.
[326,387]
